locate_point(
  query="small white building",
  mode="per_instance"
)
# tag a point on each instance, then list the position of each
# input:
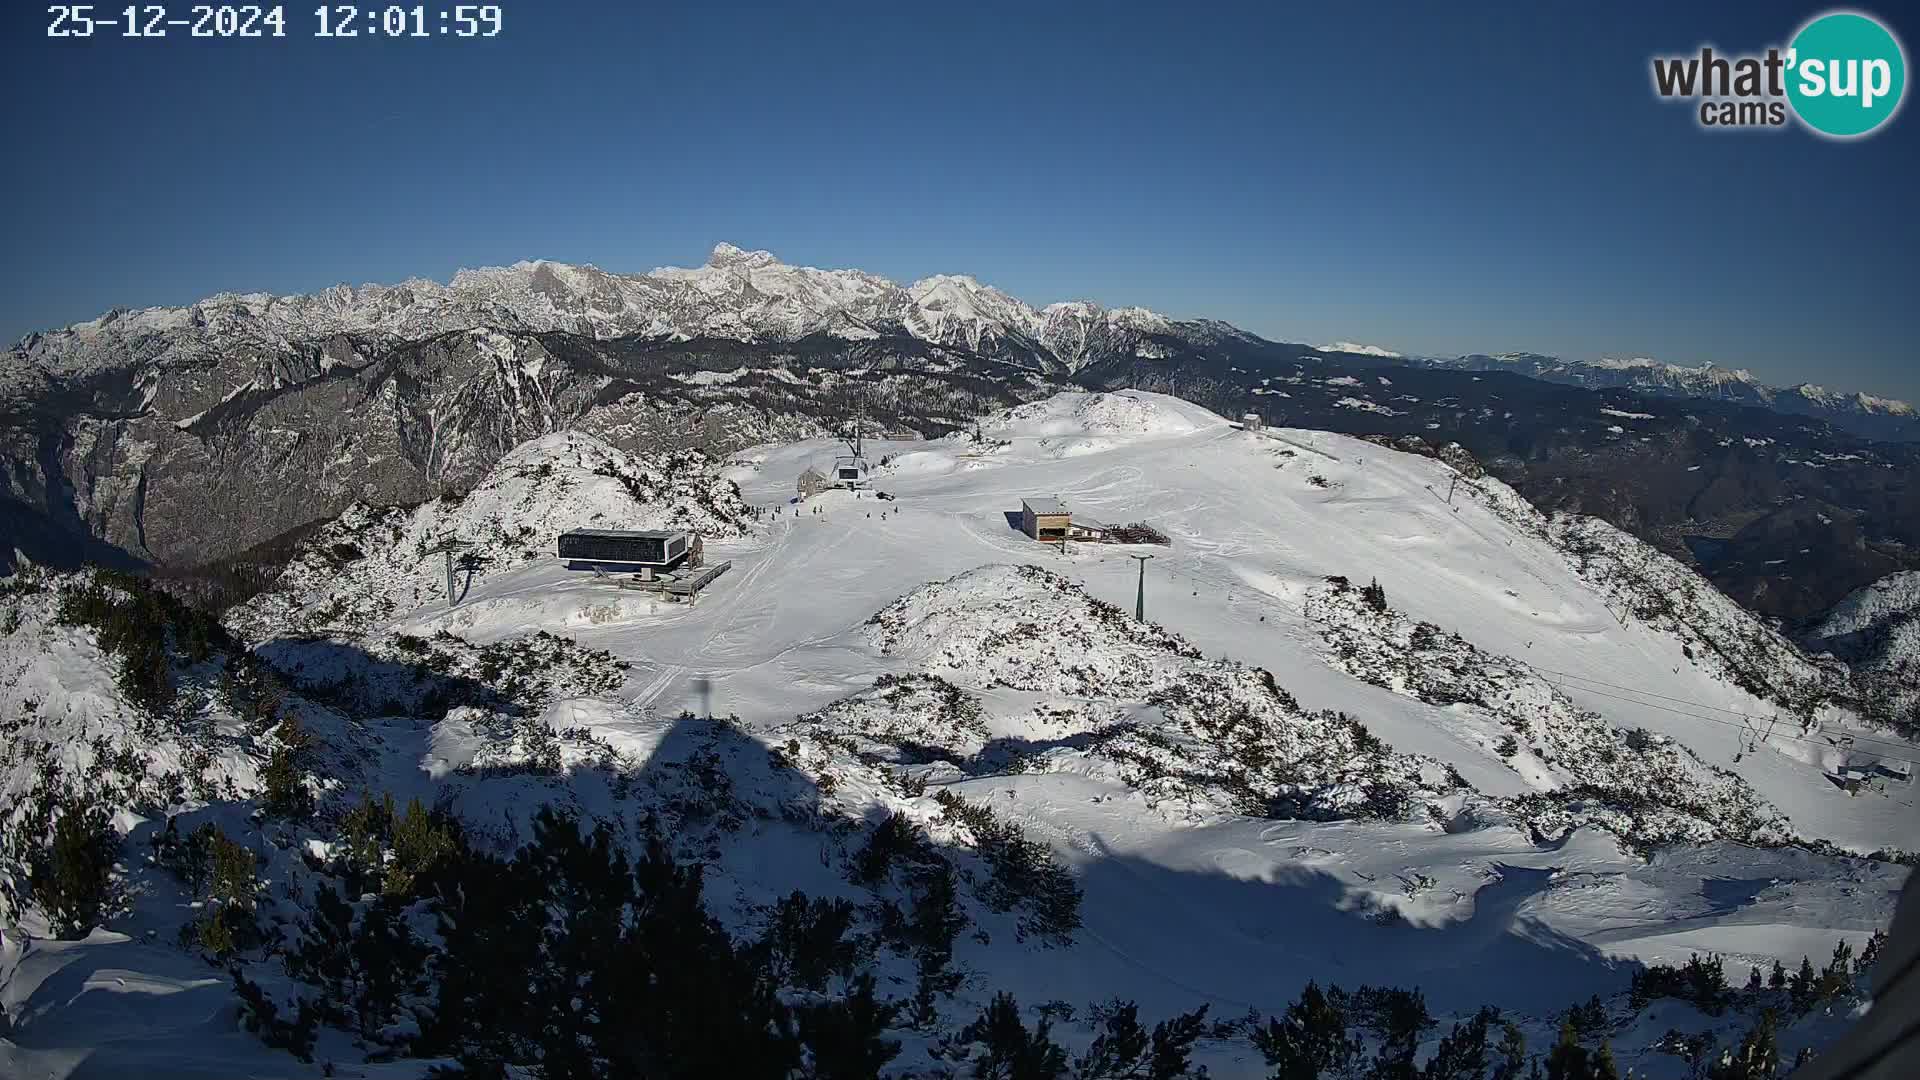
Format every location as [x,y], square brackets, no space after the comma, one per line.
[811,483]
[1085,528]
[1252,422]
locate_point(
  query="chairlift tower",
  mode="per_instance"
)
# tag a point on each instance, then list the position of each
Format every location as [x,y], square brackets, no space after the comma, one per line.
[855,436]
[851,469]
[447,548]
[1140,596]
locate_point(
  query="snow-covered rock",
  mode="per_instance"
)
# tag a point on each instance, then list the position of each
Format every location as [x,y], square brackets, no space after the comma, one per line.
[1876,630]
[740,295]
[374,562]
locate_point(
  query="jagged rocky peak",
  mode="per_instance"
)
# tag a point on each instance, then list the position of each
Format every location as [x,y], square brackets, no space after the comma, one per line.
[726,255]
[738,294]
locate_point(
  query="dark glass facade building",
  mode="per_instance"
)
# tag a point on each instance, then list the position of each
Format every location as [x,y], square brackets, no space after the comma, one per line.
[656,549]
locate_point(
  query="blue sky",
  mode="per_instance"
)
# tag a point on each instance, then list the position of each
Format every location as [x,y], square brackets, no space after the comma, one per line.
[1409,176]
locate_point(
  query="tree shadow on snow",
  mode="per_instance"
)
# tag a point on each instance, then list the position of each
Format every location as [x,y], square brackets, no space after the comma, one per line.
[1254,943]
[1170,939]
[355,681]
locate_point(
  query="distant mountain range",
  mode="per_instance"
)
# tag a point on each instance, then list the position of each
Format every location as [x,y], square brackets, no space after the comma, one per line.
[752,297]
[745,296]
[182,437]
[1862,414]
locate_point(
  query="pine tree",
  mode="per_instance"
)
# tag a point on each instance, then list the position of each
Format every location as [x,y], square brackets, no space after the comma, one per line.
[847,1037]
[491,920]
[1374,596]
[1462,1054]
[1011,1051]
[1512,1054]
[1311,1038]
[198,861]
[1870,953]
[1801,987]
[285,794]
[1706,981]
[422,845]
[935,923]
[806,942]
[1571,1061]
[1777,980]
[715,1011]
[1757,1058]
[262,1017]
[234,884]
[387,961]
[365,969]
[1123,1049]
[323,954]
[188,857]
[1400,1019]
[1589,1019]
[363,835]
[72,878]
[1836,979]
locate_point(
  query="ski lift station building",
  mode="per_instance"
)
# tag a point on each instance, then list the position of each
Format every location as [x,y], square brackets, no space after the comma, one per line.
[1046,520]
[1050,522]
[850,470]
[620,551]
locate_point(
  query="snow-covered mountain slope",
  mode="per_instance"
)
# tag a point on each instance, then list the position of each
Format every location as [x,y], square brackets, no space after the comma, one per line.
[1876,630]
[1892,600]
[1278,777]
[373,563]
[1260,520]
[1357,349]
[1646,788]
[1176,728]
[182,436]
[739,295]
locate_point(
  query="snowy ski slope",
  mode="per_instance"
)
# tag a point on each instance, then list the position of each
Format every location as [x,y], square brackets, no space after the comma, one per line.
[1185,905]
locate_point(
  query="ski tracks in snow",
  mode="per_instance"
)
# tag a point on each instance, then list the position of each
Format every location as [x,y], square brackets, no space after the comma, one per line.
[651,692]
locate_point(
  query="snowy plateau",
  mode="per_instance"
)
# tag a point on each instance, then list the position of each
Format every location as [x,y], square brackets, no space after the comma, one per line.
[1386,727]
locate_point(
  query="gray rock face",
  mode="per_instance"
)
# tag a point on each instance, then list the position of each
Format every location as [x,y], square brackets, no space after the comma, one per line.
[195,460]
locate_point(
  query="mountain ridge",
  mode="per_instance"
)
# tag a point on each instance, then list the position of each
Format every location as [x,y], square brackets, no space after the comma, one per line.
[180,437]
[1862,413]
[752,296]
[741,295]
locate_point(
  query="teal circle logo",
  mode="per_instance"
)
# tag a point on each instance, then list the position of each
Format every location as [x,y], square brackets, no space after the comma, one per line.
[1846,74]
